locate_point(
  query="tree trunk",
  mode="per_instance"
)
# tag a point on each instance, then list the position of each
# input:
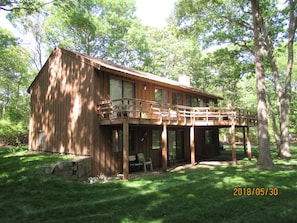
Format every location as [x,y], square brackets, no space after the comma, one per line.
[274,123]
[264,159]
[278,135]
[286,99]
[283,96]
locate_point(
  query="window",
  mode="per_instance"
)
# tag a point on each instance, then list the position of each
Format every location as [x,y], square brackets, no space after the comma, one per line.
[115,89]
[117,140]
[177,98]
[211,103]
[191,101]
[156,139]
[161,96]
[180,144]
[209,136]
[121,89]
[202,103]
[128,89]
[41,139]
[175,145]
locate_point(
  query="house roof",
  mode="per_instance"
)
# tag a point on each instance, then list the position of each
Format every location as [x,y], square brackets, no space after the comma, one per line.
[99,64]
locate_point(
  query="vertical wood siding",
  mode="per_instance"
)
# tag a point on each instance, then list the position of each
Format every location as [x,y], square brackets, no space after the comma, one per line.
[62,105]
[63,99]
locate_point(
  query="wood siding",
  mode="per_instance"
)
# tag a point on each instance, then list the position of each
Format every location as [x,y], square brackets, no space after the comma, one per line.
[62,106]
[64,98]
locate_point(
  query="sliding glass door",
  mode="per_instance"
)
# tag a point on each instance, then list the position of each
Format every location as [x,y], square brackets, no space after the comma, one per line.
[120,89]
[175,146]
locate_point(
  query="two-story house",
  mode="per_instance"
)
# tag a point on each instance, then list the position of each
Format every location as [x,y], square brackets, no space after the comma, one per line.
[86,106]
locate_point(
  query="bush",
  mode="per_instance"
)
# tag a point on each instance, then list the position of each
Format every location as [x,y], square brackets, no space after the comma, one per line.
[13,133]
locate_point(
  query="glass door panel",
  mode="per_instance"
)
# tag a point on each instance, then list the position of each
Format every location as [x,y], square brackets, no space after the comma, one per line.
[129,93]
[180,145]
[171,146]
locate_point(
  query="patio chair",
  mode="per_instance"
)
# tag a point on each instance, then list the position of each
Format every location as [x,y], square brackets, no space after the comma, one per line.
[144,161]
[134,163]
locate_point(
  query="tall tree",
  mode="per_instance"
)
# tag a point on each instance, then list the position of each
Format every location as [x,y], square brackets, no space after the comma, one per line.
[107,29]
[169,55]
[271,32]
[264,158]
[230,22]
[14,78]
[31,27]
[286,97]
[225,67]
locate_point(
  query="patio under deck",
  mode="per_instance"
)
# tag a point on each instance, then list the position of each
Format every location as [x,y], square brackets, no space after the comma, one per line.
[128,111]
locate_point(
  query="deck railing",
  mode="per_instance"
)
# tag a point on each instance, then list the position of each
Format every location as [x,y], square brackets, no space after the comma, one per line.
[154,111]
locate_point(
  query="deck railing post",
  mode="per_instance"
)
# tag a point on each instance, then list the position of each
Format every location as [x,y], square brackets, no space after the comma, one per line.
[125,149]
[177,114]
[234,160]
[151,109]
[192,144]
[164,147]
[140,109]
[244,140]
[249,149]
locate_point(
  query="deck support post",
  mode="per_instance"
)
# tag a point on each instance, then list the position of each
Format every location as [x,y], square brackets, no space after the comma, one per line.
[125,149]
[244,140]
[234,160]
[164,147]
[192,145]
[249,149]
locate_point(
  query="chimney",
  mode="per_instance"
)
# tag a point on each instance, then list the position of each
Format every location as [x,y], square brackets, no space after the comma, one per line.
[184,79]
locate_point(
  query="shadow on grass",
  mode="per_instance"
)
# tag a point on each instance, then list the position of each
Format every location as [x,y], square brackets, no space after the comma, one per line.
[198,194]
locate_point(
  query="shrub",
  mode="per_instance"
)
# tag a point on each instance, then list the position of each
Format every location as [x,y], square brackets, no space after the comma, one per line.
[13,133]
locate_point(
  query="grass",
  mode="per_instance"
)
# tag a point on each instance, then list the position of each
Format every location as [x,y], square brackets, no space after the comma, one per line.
[198,194]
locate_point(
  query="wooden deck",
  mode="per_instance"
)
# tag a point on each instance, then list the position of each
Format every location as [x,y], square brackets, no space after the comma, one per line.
[144,112]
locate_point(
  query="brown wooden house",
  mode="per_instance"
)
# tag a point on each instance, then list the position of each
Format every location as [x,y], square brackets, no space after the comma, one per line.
[85,106]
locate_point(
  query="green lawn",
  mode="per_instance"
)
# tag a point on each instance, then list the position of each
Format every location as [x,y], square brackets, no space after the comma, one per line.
[198,194]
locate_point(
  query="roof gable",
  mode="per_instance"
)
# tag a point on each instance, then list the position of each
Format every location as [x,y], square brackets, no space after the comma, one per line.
[102,64]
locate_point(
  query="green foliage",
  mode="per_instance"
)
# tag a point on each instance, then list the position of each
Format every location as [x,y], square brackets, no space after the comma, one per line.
[107,29]
[229,23]
[13,133]
[169,55]
[14,79]
[215,22]
[21,7]
[203,193]
[222,71]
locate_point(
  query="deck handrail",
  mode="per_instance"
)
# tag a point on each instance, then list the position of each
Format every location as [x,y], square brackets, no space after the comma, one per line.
[145,109]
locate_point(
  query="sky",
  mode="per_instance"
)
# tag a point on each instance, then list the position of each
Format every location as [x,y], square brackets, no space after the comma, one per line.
[151,12]
[154,12]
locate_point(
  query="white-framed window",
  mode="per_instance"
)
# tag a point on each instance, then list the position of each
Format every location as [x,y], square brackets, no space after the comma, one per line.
[117,140]
[41,139]
[156,139]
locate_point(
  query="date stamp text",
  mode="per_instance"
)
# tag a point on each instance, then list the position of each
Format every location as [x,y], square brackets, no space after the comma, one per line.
[255,191]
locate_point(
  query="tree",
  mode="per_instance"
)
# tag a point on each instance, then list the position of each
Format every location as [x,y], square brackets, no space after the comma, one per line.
[170,56]
[264,158]
[106,29]
[271,33]
[230,22]
[286,97]
[21,6]
[223,70]
[31,26]
[14,80]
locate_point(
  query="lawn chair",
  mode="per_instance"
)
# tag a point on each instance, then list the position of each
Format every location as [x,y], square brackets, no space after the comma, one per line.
[145,162]
[134,163]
